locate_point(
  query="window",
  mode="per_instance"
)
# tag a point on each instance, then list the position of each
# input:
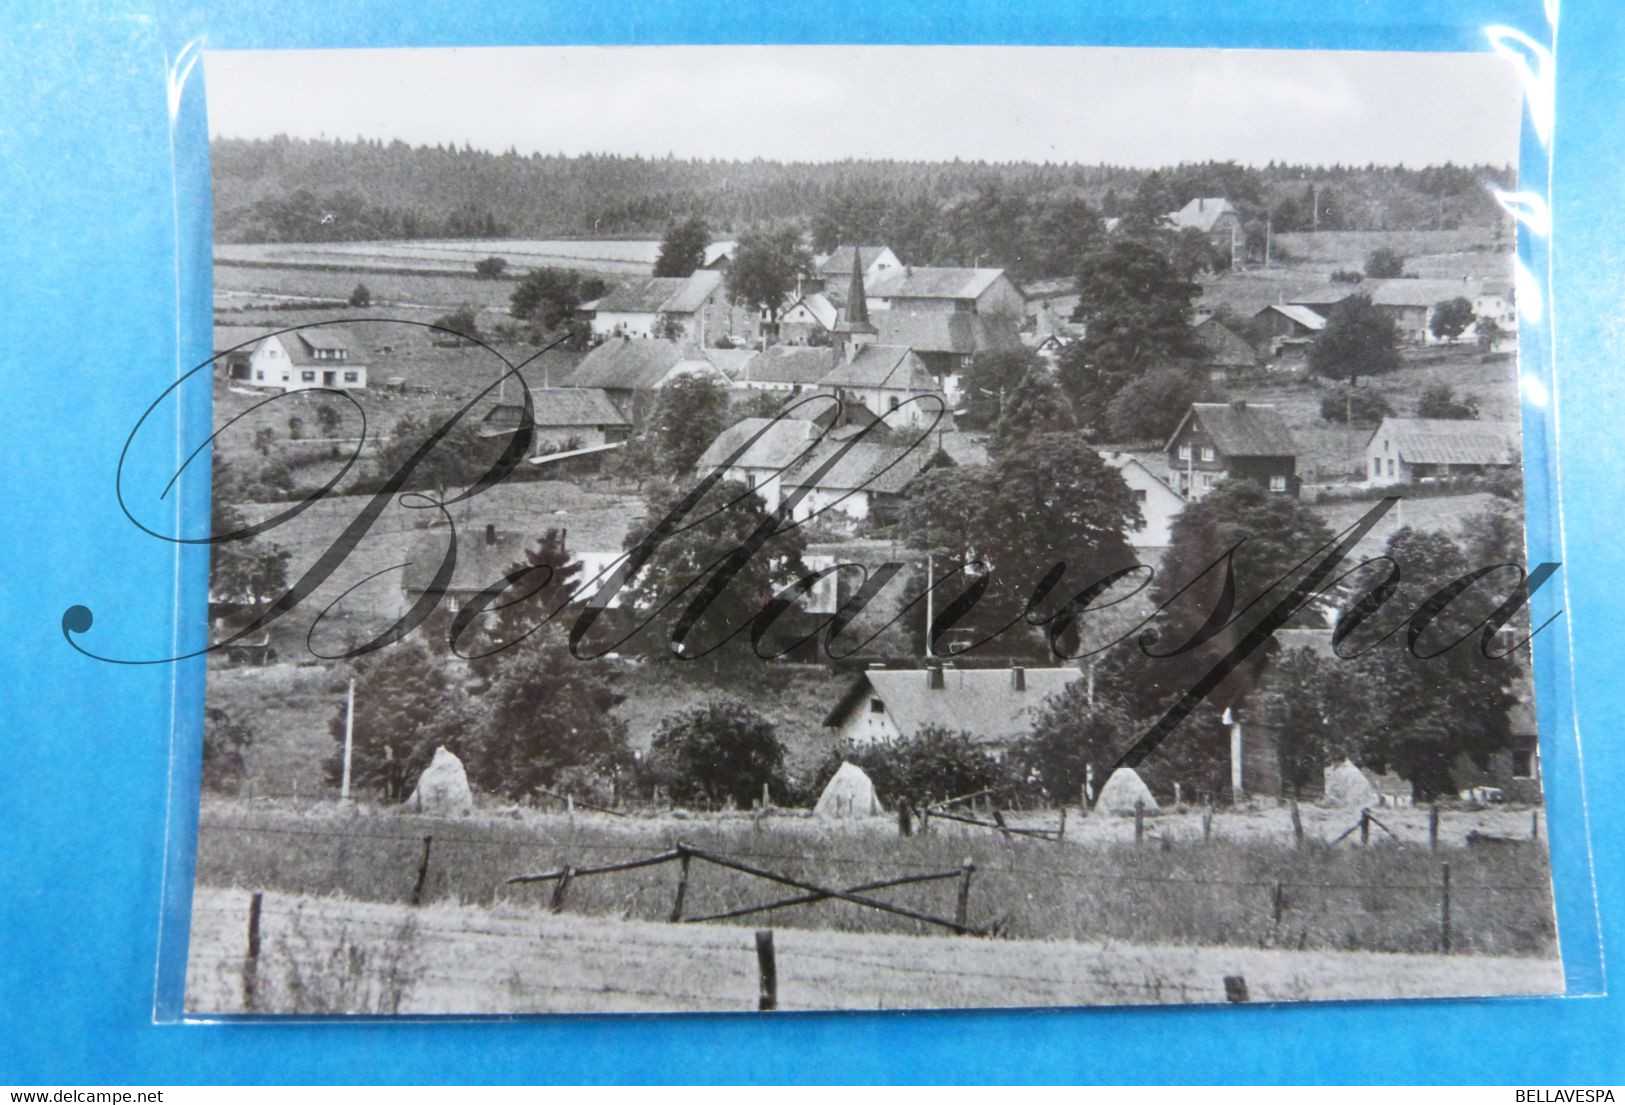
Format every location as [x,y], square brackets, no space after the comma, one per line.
[1207,452]
[1390,466]
[892,403]
[750,480]
[308,377]
[272,351]
[286,376]
[1139,494]
[1376,466]
[352,377]
[1523,761]
[1385,445]
[1209,479]
[1185,452]
[1277,483]
[876,706]
[259,374]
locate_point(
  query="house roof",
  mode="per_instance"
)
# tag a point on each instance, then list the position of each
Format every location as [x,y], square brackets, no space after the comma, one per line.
[1241,429]
[230,337]
[1223,345]
[881,366]
[784,441]
[1421,293]
[556,408]
[648,295]
[1202,213]
[1450,441]
[731,362]
[302,345]
[947,331]
[980,701]
[1122,461]
[629,364]
[912,282]
[480,561]
[1298,313]
[884,467]
[1328,295]
[817,304]
[839,263]
[792,364]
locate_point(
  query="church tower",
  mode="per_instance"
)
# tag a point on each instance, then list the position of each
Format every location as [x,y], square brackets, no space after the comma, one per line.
[854,329]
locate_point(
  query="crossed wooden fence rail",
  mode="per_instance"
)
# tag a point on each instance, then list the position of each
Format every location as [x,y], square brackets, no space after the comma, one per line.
[811,892]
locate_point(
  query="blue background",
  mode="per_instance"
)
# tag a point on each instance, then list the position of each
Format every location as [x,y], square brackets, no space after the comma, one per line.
[95,263]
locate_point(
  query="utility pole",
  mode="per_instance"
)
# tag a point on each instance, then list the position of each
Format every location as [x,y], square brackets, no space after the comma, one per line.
[349,732]
[930,600]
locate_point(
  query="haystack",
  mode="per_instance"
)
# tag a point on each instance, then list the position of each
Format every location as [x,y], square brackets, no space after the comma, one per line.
[443,787]
[1123,790]
[849,793]
[1347,786]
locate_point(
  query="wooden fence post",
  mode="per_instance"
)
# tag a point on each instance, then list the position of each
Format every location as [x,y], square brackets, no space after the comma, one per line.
[925,821]
[1297,825]
[1444,910]
[905,820]
[1179,798]
[1365,826]
[251,963]
[560,889]
[1433,826]
[1235,988]
[768,972]
[1278,901]
[1139,820]
[682,888]
[1534,824]
[767,797]
[962,910]
[1207,822]
[423,872]
[998,819]
[1060,833]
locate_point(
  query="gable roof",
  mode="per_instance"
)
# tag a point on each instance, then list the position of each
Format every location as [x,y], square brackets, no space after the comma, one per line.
[839,263]
[1328,295]
[979,701]
[480,561]
[911,282]
[556,408]
[791,364]
[1298,313]
[631,364]
[1451,441]
[1422,293]
[1241,429]
[732,363]
[947,331]
[648,295]
[818,305]
[1222,345]
[1202,213]
[883,467]
[230,337]
[783,442]
[881,366]
[302,345]
[1125,461]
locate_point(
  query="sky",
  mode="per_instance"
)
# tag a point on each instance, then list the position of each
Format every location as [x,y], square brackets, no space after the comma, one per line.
[1138,107]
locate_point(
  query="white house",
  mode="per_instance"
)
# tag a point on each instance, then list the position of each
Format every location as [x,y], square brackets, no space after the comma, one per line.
[1404,450]
[868,480]
[782,444]
[315,357]
[656,307]
[996,706]
[834,272]
[1158,501]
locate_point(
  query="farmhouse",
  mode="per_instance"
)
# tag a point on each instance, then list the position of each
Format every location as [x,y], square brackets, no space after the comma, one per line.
[572,418]
[783,443]
[834,273]
[315,357]
[656,307]
[629,370]
[1237,440]
[1289,321]
[978,291]
[1224,353]
[996,706]
[809,319]
[1410,304]
[1158,502]
[1218,218]
[787,368]
[945,342]
[870,480]
[1404,450]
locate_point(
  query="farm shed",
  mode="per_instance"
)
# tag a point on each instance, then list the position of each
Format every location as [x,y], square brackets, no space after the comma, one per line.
[1236,440]
[996,706]
[1404,450]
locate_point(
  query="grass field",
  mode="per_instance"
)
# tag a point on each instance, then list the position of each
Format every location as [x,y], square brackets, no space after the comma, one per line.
[331,955]
[1176,888]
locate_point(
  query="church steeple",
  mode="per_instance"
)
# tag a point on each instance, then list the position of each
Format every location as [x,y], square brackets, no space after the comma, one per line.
[854,329]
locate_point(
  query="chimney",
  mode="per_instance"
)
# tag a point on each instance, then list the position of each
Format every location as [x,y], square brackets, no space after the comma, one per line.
[490,533]
[933,677]
[1018,677]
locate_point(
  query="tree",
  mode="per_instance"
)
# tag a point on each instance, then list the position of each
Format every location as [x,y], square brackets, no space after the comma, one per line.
[1075,730]
[457,460]
[462,322]
[225,738]
[405,708]
[987,380]
[684,562]
[1489,334]
[329,419]
[1355,407]
[490,268]
[1192,251]
[1359,340]
[1052,501]
[1439,401]
[1451,317]
[689,413]
[721,751]
[249,572]
[550,297]
[1034,406]
[360,296]
[1384,264]
[683,249]
[766,266]
[1307,702]
[1136,307]
[932,764]
[1148,408]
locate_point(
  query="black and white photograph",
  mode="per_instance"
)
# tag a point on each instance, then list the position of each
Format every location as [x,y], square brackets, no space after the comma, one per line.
[726,529]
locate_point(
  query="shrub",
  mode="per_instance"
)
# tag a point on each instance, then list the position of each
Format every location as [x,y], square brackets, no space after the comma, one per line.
[360,296]
[1355,407]
[933,764]
[1439,401]
[721,750]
